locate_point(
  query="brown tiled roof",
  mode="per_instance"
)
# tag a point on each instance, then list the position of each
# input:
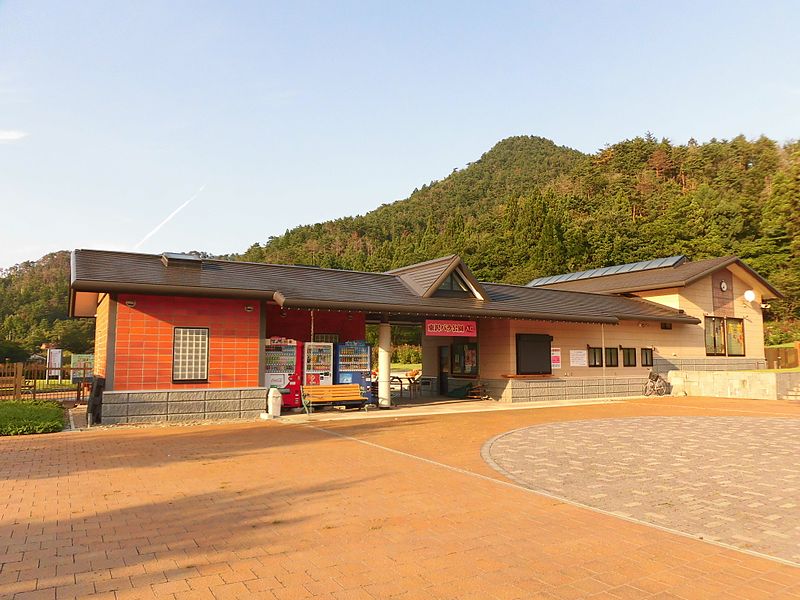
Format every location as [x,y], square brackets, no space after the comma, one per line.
[375,293]
[667,277]
[425,278]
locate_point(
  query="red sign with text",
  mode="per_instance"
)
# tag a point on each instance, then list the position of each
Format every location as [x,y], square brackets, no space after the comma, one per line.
[451,328]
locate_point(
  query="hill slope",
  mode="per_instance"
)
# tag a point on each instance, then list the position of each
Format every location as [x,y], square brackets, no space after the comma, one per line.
[529,208]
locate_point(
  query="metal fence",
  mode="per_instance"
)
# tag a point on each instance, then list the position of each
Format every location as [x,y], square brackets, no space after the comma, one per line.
[37,381]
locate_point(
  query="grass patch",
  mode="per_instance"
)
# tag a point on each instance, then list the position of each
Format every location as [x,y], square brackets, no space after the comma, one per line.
[21,417]
[406,366]
[786,345]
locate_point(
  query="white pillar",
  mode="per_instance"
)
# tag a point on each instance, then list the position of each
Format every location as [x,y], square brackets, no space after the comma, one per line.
[384,365]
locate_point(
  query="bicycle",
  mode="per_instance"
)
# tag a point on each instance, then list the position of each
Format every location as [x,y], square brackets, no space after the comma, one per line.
[656,384]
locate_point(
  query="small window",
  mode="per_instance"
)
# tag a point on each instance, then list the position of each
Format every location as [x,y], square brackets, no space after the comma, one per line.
[595,357]
[454,283]
[331,338]
[647,357]
[629,357]
[666,326]
[190,354]
[734,336]
[715,336]
[612,357]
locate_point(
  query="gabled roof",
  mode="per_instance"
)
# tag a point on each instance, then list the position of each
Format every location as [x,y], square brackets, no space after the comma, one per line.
[98,271]
[425,278]
[679,274]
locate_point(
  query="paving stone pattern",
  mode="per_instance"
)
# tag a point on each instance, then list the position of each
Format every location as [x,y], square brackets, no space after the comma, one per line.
[731,479]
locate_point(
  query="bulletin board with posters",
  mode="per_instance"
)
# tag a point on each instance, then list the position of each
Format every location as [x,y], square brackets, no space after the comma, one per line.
[464,360]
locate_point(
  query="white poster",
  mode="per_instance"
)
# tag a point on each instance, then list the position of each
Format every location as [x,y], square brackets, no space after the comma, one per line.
[54,362]
[555,358]
[578,358]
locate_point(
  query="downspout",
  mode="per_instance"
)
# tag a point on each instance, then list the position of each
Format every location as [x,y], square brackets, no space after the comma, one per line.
[603,345]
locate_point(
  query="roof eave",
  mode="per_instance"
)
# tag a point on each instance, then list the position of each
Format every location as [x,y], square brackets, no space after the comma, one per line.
[82,285]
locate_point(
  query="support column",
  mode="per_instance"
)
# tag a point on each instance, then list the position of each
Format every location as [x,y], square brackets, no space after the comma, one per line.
[384,365]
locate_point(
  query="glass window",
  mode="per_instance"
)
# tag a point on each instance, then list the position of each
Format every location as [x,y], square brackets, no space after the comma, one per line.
[454,283]
[612,357]
[595,357]
[629,357]
[715,336]
[534,354]
[647,357]
[190,354]
[734,336]
[464,359]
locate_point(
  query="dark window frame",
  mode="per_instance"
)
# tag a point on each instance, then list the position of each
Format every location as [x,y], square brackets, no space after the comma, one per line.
[595,352]
[627,355]
[207,352]
[611,356]
[458,355]
[646,357]
[710,321]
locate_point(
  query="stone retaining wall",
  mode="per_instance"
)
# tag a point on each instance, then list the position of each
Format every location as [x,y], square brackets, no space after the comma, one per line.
[183,405]
[663,364]
[735,384]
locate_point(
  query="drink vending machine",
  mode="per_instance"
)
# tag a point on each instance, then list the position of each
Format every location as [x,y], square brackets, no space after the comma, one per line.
[353,365]
[318,363]
[284,362]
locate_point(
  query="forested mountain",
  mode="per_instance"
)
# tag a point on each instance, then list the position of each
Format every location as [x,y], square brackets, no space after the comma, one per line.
[526,208]
[529,208]
[34,297]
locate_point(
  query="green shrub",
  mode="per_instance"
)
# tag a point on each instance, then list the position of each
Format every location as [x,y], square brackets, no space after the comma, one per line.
[408,354]
[30,416]
[781,332]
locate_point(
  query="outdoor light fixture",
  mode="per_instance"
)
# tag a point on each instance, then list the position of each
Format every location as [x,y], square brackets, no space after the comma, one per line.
[749,295]
[130,303]
[248,308]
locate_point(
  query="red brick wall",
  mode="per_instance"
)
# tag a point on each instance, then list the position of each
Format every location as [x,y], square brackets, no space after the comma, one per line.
[143,349]
[296,324]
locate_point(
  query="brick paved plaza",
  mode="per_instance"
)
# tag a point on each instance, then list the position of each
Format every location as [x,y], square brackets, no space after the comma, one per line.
[377,508]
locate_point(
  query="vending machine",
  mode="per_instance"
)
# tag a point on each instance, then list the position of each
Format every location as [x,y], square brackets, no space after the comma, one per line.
[353,365]
[318,363]
[283,366]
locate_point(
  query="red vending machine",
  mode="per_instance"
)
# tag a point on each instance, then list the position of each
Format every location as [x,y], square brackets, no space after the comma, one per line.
[284,369]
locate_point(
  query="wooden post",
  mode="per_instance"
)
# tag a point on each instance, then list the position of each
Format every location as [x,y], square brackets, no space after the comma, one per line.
[18,380]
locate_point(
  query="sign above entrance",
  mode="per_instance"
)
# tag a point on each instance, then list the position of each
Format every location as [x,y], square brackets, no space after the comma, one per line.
[434,327]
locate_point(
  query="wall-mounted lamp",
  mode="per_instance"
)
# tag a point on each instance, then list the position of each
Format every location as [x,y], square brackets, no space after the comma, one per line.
[248,308]
[130,303]
[349,316]
[749,295]
[283,313]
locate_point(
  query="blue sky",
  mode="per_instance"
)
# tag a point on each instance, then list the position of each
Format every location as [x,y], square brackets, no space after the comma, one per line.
[114,114]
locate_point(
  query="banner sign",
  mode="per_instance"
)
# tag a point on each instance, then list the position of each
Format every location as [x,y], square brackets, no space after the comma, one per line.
[436,327]
[54,362]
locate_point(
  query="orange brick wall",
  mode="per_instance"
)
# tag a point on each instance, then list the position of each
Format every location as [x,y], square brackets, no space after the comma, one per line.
[143,348]
[101,335]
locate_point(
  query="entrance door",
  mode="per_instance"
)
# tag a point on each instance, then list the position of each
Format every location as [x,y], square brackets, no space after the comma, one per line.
[444,368]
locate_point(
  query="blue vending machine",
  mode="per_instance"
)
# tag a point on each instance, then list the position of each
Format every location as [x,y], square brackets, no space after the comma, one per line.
[353,364]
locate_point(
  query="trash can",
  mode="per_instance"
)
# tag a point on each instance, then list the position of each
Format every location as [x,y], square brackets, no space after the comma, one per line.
[274,401]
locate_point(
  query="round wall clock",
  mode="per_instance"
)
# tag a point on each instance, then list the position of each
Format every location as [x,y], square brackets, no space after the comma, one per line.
[723,285]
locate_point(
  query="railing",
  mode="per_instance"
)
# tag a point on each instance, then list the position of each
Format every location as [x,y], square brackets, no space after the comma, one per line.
[32,381]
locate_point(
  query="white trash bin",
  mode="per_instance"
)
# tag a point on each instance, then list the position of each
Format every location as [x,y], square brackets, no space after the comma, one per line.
[274,401]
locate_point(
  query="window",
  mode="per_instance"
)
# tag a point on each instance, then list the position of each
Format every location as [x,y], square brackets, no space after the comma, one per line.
[464,359]
[666,326]
[734,336]
[454,283]
[190,354]
[612,357]
[647,357]
[533,354]
[715,336]
[595,357]
[629,357]
[331,338]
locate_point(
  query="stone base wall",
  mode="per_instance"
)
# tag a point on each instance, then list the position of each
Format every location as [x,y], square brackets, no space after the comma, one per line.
[735,384]
[549,390]
[184,405]
[663,364]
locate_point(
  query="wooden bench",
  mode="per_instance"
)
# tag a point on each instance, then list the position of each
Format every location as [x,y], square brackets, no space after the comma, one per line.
[345,394]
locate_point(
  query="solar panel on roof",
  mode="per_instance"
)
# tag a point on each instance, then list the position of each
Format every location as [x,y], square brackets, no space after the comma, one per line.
[644,265]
